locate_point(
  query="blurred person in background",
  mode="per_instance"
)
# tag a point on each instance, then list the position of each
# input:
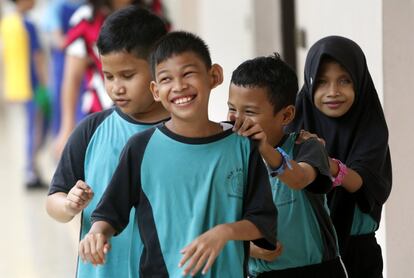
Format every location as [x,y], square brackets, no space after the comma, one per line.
[25,79]
[56,25]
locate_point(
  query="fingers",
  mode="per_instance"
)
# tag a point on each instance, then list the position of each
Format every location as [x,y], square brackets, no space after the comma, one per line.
[237,124]
[199,258]
[194,261]
[79,196]
[209,263]
[201,262]
[246,127]
[92,249]
[188,252]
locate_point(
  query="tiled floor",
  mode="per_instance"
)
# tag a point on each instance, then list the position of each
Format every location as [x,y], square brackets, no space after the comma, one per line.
[32,244]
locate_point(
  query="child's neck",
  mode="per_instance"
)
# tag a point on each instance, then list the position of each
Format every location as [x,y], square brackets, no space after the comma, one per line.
[154,114]
[194,129]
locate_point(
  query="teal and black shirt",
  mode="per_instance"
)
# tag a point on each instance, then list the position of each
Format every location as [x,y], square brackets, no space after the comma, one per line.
[92,154]
[182,187]
[304,226]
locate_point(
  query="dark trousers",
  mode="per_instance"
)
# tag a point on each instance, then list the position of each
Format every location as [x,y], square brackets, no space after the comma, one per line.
[328,269]
[363,258]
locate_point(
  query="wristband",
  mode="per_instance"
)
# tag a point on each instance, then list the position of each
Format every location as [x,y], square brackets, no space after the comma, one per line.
[343,170]
[285,163]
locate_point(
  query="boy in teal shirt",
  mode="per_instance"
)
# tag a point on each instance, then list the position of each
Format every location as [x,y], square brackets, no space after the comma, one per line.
[92,152]
[201,191]
[261,101]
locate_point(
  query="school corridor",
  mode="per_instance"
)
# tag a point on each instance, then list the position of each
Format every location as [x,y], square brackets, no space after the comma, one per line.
[32,244]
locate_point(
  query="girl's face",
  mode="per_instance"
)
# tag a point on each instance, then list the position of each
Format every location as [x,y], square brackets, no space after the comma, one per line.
[334,90]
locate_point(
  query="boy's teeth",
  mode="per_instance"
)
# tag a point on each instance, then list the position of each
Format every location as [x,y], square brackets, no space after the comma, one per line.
[182,100]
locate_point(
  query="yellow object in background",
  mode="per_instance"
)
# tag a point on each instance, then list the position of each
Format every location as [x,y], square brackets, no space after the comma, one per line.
[16,59]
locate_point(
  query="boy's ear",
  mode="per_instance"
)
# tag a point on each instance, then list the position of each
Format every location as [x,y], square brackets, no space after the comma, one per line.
[216,73]
[288,114]
[154,91]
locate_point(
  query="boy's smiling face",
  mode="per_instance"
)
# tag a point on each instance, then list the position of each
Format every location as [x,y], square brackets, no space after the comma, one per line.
[253,103]
[127,80]
[183,84]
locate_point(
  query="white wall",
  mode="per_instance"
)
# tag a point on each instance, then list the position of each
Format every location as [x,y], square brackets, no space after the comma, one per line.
[398,48]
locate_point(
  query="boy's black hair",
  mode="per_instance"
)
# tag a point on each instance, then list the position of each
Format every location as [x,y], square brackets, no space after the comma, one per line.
[131,29]
[271,73]
[178,42]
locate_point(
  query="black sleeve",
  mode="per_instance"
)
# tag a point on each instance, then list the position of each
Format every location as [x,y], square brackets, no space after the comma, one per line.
[70,168]
[258,202]
[124,189]
[313,153]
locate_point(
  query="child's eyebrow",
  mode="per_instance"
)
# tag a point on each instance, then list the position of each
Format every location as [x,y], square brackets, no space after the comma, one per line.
[251,107]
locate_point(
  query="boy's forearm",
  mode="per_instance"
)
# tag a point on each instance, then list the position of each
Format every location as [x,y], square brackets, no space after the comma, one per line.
[296,178]
[300,176]
[240,230]
[271,156]
[56,207]
[102,227]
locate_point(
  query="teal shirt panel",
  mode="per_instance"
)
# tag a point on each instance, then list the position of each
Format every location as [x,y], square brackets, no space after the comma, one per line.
[101,159]
[363,223]
[298,230]
[201,200]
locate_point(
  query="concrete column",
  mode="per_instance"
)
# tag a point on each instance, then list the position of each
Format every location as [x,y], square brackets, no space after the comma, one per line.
[398,57]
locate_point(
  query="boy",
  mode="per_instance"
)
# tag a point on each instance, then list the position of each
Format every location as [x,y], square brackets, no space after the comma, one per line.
[92,153]
[199,189]
[261,101]
[25,79]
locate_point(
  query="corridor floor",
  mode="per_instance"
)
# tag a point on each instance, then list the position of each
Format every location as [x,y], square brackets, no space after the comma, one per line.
[32,244]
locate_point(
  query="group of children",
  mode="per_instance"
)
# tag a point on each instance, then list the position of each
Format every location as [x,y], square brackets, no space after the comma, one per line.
[165,192]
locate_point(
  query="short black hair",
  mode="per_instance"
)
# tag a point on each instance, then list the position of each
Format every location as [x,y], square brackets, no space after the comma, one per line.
[271,73]
[178,42]
[131,29]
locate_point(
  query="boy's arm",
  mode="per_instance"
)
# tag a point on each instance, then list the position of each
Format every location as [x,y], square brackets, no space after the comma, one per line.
[67,180]
[64,206]
[124,189]
[352,181]
[96,243]
[203,251]
[297,176]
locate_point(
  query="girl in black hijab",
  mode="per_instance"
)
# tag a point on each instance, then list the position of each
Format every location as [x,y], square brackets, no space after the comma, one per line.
[339,103]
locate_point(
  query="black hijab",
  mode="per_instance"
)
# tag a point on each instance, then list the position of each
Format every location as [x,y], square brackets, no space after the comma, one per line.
[359,138]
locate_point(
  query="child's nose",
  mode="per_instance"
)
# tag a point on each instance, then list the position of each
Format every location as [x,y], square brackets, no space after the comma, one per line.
[333,89]
[118,88]
[179,85]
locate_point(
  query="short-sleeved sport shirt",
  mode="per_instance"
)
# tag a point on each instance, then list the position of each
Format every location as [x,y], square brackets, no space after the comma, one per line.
[92,154]
[304,227]
[181,187]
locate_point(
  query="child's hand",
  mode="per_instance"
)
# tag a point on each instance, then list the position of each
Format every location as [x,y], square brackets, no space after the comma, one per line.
[93,248]
[247,127]
[204,250]
[78,197]
[305,135]
[267,255]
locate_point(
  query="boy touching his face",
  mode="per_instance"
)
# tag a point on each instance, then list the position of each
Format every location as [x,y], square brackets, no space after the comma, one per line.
[261,102]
